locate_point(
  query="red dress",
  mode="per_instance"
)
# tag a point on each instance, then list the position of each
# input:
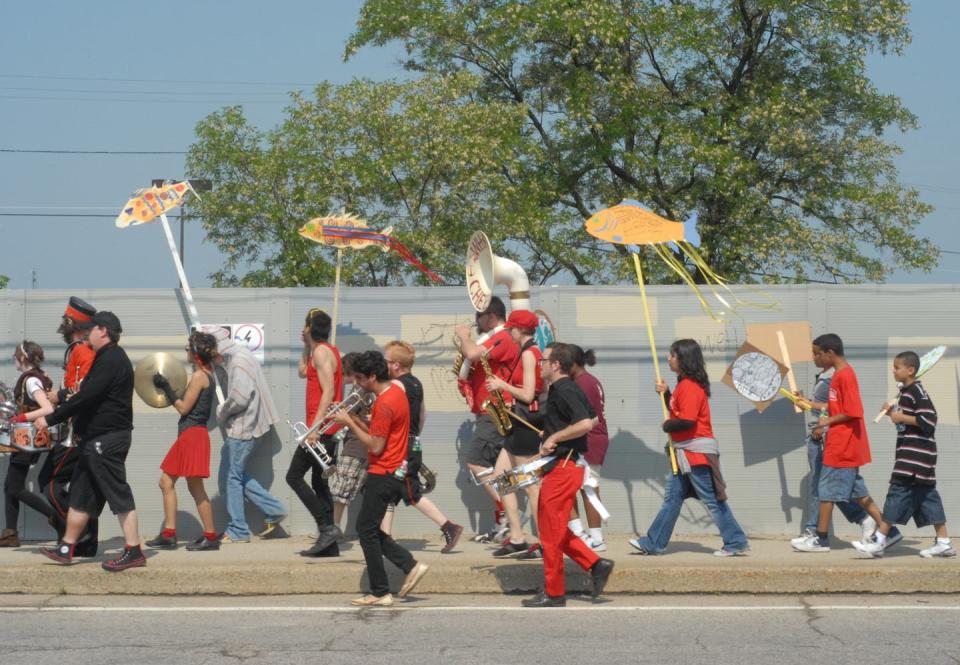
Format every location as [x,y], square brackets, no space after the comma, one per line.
[189,456]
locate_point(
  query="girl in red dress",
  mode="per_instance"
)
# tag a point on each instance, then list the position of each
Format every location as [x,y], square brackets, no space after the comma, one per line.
[189,457]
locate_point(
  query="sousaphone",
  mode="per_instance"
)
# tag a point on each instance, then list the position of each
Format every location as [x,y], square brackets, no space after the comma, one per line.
[158,363]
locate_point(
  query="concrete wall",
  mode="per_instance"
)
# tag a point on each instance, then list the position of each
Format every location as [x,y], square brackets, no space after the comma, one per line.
[763,454]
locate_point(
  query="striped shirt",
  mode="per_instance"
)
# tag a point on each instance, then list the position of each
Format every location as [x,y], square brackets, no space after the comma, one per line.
[916,456]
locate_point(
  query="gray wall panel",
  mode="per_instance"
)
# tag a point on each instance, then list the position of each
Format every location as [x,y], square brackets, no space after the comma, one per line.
[763,454]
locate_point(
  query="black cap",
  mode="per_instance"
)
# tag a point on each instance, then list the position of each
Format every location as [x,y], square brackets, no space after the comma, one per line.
[108,320]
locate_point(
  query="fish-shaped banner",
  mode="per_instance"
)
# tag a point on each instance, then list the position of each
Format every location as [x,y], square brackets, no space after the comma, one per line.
[148,204]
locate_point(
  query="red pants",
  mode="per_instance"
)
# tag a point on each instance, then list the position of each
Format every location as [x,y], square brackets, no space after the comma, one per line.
[558,491]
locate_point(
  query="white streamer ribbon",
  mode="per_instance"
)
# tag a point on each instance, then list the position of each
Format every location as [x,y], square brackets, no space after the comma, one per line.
[591,481]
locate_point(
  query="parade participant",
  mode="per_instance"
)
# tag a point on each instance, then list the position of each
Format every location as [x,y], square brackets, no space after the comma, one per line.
[30,395]
[57,469]
[522,443]
[189,457]
[351,471]
[246,415]
[698,457]
[568,418]
[597,443]
[102,412]
[320,366]
[502,354]
[913,483]
[853,512]
[386,441]
[400,357]
[846,448]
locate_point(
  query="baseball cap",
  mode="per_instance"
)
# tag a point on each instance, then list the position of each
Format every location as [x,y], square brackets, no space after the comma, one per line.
[108,320]
[523,319]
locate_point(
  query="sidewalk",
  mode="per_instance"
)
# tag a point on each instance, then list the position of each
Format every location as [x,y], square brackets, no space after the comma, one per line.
[273,567]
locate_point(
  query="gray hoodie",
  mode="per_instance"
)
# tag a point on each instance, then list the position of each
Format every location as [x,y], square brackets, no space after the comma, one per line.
[248,411]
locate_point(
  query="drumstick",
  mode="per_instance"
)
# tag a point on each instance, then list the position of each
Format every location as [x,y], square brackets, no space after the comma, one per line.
[566,459]
[525,422]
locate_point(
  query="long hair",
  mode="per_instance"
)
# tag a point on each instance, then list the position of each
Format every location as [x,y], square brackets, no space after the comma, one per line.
[691,363]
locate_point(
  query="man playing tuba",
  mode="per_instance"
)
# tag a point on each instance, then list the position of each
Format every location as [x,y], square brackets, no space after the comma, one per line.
[501,354]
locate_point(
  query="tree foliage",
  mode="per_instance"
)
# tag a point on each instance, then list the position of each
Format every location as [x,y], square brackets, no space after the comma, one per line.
[4,280]
[755,115]
[524,118]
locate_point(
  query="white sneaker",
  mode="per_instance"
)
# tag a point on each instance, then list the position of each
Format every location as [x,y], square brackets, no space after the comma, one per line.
[811,544]
[598,547]
[871,548]
[944,550]
[867,528]
[803,536]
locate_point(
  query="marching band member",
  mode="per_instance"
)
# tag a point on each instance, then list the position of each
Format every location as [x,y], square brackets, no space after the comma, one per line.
[567,420]
[189,457]
[386,441]
[103,421]
[502,354]
[57,469]
[400,357]
[598,440]
[31,398]
[320,366]
[349,474]
[522,444]
[698,457]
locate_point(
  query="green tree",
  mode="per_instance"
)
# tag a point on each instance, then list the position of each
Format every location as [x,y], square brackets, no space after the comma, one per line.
[4,280]
[755,115]
[419,156]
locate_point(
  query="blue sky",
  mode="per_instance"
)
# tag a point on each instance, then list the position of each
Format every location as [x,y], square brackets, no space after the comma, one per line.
[57,55]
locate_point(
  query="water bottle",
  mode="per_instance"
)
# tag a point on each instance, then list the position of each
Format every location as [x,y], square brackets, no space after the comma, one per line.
[401,471]
[415,446]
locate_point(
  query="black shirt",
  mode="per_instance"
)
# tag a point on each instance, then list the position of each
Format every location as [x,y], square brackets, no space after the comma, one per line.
[414,390]
[104,402]
[566,405]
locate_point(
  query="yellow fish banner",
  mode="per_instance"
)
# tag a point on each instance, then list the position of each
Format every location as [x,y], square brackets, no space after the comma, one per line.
[632,225]
[148,204]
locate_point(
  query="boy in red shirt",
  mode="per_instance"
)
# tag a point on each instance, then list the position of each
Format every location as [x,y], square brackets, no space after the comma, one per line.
[847,447]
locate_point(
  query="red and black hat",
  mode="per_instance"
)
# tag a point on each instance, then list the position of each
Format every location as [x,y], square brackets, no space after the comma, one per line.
[79,311]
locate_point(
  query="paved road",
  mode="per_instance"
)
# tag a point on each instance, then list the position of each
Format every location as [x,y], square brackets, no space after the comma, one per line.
[718,630]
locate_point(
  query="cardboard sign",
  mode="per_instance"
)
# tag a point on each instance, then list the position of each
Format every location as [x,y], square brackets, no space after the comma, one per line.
[787,342]
[755,375]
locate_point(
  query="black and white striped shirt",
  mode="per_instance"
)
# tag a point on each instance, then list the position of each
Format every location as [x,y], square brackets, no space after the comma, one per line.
[916,456]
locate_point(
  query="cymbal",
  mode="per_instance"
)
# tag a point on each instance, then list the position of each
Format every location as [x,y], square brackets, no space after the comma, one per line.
[168,366]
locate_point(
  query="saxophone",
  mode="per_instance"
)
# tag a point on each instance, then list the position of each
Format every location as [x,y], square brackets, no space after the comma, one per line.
[495,405]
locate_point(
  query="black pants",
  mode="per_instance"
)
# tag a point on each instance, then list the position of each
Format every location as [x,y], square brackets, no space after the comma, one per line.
[316,496]
[15,489]
[54,479]
[379,492]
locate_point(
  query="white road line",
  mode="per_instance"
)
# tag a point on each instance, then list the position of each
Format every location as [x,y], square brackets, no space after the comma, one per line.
[511,608]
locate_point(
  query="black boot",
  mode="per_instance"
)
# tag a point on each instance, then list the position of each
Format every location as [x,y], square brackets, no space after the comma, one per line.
[329,535]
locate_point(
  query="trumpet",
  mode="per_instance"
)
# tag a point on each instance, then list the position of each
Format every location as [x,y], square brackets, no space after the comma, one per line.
[354,401]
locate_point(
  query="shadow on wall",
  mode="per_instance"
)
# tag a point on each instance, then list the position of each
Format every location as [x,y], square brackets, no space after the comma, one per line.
[474,499]
[654,470]
[771,435]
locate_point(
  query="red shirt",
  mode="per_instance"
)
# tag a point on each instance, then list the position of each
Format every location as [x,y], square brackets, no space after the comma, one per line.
[847,444]
[78,364]
[390,419]
[689,402]
[503,358]
[315,392]
[516,378]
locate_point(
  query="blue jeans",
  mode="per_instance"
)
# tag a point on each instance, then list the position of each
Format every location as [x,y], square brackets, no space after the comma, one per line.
[700,480]
[235,483]
[852,511]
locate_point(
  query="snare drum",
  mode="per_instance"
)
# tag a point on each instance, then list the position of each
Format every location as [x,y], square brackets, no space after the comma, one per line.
[483,477]
[27,438]
[519,477]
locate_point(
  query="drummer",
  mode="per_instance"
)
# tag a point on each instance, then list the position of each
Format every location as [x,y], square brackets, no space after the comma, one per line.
[31,398]
[567,420]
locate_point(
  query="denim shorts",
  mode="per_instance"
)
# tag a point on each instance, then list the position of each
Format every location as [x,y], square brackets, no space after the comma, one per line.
[841,484]
[921,502]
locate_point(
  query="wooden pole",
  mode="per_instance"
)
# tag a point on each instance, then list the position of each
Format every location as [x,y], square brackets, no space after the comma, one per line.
[653,352]
[336,298]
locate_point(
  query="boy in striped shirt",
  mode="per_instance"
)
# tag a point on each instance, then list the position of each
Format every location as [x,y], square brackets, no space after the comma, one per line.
[913,484]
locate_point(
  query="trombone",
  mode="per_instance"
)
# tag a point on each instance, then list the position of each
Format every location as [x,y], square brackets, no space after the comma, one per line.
[356,400]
